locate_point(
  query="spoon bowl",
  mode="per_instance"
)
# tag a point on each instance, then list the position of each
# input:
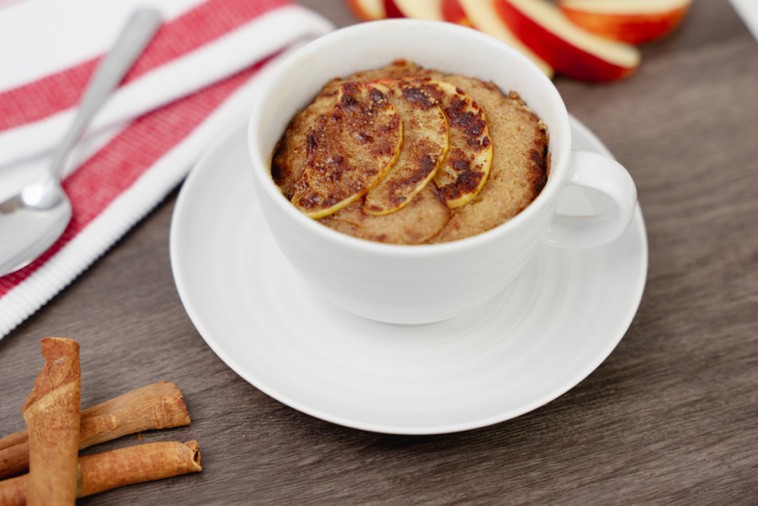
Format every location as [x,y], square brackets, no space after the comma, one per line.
[35,219]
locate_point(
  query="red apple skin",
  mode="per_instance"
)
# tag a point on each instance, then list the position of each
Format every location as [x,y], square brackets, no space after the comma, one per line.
[360,12]
[564,57]
[453,12]
[630,28]
[392,10]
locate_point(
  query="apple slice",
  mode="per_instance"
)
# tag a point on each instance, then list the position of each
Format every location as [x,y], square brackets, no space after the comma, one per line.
[425,144]
[368,10]
[288,160]
[465,169]
[632,21]
[349,151]
[453,12]
[571,50]
[484,17]
[415,9]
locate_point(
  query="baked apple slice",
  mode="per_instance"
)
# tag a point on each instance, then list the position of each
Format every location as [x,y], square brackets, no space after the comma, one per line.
[464,170]
[350,149]
[288,160]
[425,144]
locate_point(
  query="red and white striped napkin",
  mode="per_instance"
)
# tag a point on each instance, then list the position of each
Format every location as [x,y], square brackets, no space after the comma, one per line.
[194,80]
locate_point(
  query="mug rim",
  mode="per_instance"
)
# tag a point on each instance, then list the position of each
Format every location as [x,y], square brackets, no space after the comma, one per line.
[559,162]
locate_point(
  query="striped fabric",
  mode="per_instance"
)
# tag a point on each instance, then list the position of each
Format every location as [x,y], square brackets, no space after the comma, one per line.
[194,80]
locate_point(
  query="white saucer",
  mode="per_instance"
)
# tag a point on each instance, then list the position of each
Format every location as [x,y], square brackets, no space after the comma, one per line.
[560,319]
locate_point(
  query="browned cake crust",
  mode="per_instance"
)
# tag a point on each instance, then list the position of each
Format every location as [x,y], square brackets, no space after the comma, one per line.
[518,172]
[416,223]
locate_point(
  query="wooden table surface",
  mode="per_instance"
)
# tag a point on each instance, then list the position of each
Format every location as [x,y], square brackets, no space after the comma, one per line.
[670,417]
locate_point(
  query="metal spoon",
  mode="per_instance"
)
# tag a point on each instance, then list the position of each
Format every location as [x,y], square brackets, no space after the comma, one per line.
[33,219]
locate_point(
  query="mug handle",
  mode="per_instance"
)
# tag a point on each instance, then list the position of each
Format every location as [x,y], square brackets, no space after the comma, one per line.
[607,176]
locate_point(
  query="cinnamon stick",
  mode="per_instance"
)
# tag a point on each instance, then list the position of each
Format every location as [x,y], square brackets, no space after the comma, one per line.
[137,464]
[156,406]
[14,454]
[118,468]
[13,491]
[52,416]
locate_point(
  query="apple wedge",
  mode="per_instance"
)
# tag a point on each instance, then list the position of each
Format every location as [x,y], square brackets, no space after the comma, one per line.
[569,49]
[349,150]
[425,144]
[416,9]
[368,10]
[632,21]
[483,16]
[453,12]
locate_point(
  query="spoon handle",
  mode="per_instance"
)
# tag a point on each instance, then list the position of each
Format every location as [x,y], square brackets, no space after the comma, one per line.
[132,40]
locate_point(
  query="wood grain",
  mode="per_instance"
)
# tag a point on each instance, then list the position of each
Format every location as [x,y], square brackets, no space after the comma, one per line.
[670,417]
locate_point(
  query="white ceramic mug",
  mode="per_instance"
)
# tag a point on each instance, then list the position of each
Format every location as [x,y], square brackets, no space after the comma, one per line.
[426,283]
